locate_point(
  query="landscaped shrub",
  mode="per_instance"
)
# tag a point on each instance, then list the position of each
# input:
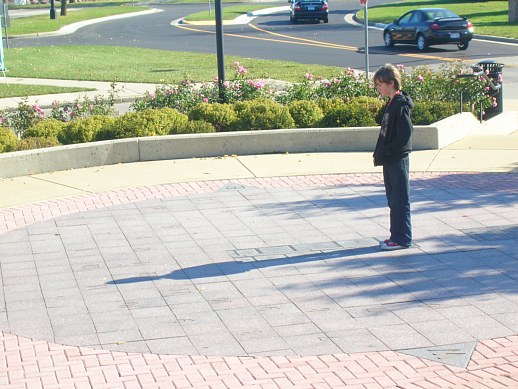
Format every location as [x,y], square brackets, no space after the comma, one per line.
[195,127]
[8,140]
[333,112]
[359,112]
[356,115]
[150,122]
[29,143]
[25,117]
[374,105]
[428,112]
[181,97]
[85,130]
[48,128]
[306,114]
[348,85]
[222,116]
[262,114]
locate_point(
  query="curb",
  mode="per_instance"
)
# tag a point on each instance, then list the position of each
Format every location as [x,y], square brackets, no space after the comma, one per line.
[71,28]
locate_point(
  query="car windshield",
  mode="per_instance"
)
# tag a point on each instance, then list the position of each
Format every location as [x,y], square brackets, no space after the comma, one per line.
[440,14]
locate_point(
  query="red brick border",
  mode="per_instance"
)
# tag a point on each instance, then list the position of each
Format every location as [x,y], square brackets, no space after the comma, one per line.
[26,363]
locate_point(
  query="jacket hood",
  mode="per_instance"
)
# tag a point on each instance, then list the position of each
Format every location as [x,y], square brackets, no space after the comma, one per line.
[403,98]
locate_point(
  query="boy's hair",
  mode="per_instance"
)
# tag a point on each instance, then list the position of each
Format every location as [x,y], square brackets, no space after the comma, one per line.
[387,73]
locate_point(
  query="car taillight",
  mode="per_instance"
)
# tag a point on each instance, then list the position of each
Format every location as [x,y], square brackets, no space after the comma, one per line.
[297,7]
[325,7]
[470,27]
[435,27]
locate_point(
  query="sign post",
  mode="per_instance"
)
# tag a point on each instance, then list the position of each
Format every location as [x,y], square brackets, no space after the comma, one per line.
[2,66]
[219,49]
[366,27]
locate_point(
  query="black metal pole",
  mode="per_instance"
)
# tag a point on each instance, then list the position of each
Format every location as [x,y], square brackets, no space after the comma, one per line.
[52,10]
[219,50]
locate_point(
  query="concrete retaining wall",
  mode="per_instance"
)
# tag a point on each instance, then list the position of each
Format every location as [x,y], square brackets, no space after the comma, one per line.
[212,145]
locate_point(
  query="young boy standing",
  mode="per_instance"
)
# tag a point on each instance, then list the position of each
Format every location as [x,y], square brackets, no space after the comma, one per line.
[392,149]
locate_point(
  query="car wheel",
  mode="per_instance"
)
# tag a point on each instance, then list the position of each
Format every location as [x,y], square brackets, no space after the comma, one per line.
[421,42]
[463,45]
[387,37]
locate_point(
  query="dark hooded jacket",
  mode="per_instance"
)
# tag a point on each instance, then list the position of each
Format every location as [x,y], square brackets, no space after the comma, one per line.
[395,138]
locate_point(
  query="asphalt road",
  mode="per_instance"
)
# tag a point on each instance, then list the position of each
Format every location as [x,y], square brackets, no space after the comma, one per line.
[337,43]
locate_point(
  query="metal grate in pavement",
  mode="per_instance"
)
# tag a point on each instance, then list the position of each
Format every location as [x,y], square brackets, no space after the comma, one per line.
[458,354]
[259,253]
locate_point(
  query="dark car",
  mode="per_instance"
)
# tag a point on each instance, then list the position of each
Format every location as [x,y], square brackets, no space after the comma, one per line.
[429,26]
[309,10]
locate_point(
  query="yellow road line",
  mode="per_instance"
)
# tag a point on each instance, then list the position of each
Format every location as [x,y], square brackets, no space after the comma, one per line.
[353,48]
[310,42]
[306,43]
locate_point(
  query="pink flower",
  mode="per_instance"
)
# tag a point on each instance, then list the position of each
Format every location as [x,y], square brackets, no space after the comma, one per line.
[420,78]
[260,84]
[205,100]
[308,76]
[336,80]
[226,84]
[241,70]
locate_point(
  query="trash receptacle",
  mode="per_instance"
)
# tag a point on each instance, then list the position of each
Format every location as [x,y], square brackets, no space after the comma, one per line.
[494,72]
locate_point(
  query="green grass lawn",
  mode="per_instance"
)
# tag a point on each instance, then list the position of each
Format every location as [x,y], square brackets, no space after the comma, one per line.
[128,64]
[43,23]
[488,17]
[16,90]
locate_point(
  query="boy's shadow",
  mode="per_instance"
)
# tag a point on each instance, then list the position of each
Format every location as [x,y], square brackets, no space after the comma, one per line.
[236,267]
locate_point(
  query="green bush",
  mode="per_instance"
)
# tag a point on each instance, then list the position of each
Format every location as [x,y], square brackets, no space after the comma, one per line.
[30,143]
[374,105]
[262,114]
[361,111]
[428,112]
[222,116]
[305,113]
[8,140]
[85,130]
[197,127]
[150,122]
[47,128]
[333,110]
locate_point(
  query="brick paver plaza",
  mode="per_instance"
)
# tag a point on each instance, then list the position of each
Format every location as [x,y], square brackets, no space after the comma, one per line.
[263,283]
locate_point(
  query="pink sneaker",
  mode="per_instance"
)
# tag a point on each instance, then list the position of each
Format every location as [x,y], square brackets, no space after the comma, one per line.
[388,245]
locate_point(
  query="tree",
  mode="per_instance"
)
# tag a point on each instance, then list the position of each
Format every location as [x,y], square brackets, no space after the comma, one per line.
[513,11]
[63,8]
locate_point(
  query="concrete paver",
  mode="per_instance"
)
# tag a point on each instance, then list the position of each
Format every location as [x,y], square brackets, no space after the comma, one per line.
[278,279]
